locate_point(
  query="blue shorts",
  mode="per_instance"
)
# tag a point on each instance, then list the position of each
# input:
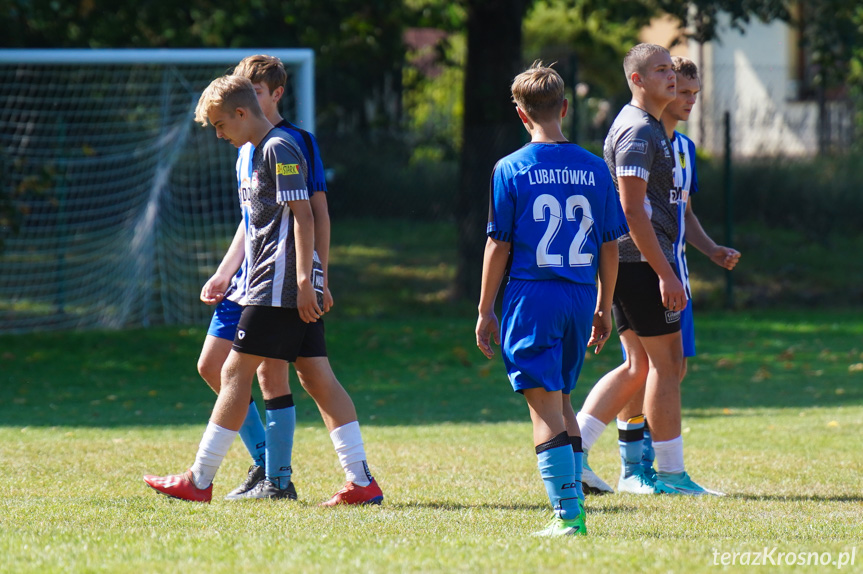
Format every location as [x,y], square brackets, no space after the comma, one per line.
[545,329]
[225,319]
[687,330]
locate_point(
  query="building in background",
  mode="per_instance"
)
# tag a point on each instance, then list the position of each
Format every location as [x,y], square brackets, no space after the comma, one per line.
[764,79]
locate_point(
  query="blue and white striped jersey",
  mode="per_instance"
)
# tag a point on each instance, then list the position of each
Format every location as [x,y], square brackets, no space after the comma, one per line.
[686,180]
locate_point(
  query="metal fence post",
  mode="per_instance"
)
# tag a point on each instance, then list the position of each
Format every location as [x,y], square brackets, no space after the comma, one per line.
[729,209]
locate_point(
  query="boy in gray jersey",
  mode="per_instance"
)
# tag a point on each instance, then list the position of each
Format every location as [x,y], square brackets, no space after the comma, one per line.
[282,299]
[226,287]
[649,295]
[633,436]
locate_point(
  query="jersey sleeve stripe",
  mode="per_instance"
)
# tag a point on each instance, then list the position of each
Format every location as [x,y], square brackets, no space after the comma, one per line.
[286,195]
[633,171]
[613,234]
[500,235]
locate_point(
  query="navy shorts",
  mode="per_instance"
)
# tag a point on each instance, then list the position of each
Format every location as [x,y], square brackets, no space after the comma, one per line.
[545,328]
[225,319]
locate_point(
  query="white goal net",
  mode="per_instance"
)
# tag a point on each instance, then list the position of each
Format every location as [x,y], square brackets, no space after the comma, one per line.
[116,206]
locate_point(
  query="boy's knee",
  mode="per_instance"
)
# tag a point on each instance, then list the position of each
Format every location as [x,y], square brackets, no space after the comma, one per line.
[210,372]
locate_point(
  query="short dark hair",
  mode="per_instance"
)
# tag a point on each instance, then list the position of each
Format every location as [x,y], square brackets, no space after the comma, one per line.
[261,68]
[684,67]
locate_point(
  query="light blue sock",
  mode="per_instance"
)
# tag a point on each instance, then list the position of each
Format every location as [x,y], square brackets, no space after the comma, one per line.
[557,469]
[253,434]
[647,454]
[630,439]
[281,421]
[578,456]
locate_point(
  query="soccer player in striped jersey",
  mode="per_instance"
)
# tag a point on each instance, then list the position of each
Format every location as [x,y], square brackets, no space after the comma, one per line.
[268,76]
[283,280]
[633,435]
[554,210]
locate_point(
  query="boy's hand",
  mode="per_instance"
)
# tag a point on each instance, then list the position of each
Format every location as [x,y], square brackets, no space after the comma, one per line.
[486,326]
[725,257]
[328,300]
[307,302]
[214,289]
[600,331]
[673,293]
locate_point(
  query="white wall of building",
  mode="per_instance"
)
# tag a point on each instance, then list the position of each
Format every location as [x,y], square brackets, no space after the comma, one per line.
[751,74]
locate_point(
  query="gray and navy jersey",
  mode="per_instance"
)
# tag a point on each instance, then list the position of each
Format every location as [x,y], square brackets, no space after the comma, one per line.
[637,146]
[276,175]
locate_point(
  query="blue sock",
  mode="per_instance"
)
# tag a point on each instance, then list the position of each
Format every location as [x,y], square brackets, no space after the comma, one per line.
[281,421]
[578,455]
[253,435]
[647,455]
[557,469]
[630,439]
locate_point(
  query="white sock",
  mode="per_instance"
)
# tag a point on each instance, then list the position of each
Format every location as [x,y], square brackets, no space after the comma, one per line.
[591,427]
[348,443]
[212,450]
[669,455]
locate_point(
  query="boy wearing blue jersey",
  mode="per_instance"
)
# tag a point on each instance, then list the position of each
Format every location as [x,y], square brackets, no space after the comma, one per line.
[634,438]
[554,210]
[226,289]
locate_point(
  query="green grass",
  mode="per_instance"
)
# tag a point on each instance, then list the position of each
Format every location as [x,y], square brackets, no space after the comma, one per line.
[773,411]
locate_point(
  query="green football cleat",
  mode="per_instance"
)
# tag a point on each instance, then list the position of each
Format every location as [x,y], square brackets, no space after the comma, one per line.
[560,527]
[681,483]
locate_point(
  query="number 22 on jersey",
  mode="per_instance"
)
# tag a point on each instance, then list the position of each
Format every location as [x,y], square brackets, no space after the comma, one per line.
[548,204]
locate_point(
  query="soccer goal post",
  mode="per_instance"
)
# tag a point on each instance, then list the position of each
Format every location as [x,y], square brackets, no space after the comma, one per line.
[116,206]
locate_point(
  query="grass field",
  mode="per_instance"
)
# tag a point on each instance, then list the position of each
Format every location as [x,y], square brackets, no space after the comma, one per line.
[773,411]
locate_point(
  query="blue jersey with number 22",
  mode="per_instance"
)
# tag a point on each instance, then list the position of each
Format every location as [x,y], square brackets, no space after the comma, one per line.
[557,204]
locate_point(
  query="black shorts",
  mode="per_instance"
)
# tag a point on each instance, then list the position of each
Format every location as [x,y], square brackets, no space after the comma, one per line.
[638,304]
[279,333]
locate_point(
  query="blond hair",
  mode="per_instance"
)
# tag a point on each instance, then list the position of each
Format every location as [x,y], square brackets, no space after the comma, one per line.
[636,58]
[262,68]
[684,67]
[228,93]
[538,91]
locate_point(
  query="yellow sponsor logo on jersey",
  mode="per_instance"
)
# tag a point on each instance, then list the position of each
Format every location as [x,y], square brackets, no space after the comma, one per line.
[287,169]
[682,157]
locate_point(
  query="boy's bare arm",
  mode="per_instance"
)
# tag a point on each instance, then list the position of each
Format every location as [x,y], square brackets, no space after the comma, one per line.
[321,213]
[632,192]
[606,280]
[214,289]
[304,242]
[493,268]
[696,236]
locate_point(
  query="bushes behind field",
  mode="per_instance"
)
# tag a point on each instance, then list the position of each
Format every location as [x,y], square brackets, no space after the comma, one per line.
[386,177]
[797,223]
[815,196]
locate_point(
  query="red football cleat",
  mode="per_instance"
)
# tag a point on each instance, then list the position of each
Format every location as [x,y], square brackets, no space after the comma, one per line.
[180,486]
[354,494]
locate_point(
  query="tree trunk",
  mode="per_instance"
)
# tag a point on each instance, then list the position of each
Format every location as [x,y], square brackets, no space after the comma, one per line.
[491,127]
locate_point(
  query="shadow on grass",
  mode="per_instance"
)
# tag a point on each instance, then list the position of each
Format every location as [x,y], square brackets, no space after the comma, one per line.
[457,506]
[798,498]
[419,371]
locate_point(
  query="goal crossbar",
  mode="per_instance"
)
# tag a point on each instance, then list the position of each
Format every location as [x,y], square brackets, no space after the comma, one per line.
[303,60]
